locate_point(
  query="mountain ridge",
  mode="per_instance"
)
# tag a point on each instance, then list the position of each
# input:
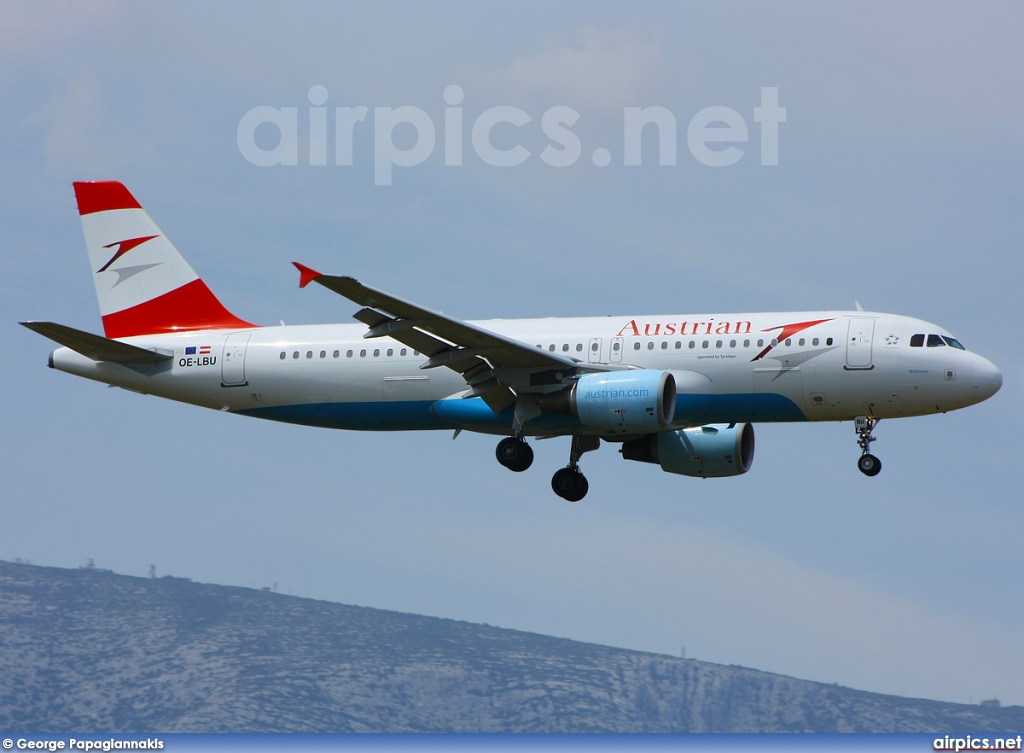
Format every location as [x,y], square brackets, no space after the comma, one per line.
[91,650]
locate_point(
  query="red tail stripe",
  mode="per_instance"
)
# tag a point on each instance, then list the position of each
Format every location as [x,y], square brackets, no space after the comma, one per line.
[190,307]
[103,195]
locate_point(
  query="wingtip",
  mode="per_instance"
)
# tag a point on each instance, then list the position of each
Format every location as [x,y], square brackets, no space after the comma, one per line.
[306,275]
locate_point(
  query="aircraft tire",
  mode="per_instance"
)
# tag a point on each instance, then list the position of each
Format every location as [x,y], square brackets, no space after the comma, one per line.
[570,484]
[514,454]
[869,465]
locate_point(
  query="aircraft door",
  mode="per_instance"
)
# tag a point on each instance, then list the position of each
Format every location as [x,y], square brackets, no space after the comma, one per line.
[616,352]
[233,360]
[858,343]
[594,350]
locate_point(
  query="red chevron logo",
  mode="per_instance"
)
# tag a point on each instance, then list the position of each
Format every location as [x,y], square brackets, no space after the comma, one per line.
[123,247]
[788,330]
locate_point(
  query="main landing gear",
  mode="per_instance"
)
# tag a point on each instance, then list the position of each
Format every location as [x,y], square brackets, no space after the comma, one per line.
[868,464]
[514,454]
[569,483]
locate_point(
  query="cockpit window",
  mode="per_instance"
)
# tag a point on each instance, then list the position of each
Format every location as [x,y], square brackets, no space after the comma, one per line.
[935,341]
[953,343]
[917,341]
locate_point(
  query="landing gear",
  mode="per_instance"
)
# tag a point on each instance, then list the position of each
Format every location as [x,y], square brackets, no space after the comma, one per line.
[868,464]
[514,454]
[569,483]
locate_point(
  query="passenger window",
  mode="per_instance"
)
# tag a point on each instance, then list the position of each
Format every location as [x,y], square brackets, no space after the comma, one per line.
[934,341]
[376,352]
[746,343]
[309,354]
[402,352]
[636,346]
[917,341]
[391,352]
[760,343]
[828,341]
[650,345]
[732,343]
[704,344]
[565,347]
[337,353]
[718,344]
[802,341]
[615,347]
[664,345]
[282,355]
[693,344]
[953,343]
[362,353]
[295,354]
[551,347]
[679,344]
[815,341]
[789,342]
[323,354]
[348,354]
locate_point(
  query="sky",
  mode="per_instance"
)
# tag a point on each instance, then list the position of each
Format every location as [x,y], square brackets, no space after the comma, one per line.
[897,184]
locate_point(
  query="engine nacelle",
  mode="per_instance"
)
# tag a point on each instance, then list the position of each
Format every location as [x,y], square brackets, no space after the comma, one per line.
[619,401]
[712,451]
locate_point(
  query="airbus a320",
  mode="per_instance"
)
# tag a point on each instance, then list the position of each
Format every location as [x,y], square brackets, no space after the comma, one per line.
[680,391]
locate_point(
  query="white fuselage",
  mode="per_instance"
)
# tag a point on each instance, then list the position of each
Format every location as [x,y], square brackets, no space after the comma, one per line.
[804,366]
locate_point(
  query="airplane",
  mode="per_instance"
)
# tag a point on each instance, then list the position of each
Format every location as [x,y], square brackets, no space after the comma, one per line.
[678,391]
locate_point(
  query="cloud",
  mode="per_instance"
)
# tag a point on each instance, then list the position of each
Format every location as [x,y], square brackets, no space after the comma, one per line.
[732,600]
[36,29]
[81,133]
[596,68]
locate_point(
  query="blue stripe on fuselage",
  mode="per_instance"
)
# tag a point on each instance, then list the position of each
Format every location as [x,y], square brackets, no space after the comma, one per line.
[473,414]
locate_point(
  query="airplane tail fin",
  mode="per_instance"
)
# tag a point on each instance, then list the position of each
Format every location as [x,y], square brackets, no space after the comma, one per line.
[144,285]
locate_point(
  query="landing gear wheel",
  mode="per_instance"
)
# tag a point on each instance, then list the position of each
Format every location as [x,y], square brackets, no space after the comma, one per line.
[570,484]
[869,465]
[514,454]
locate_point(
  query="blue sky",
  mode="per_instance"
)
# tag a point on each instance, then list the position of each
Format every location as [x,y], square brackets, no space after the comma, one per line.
[897,185]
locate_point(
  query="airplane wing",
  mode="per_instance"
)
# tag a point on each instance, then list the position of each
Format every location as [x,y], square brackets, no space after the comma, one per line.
[94,346]
[493,365]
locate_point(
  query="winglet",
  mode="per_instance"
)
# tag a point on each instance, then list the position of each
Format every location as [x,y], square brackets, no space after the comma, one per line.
[307,275]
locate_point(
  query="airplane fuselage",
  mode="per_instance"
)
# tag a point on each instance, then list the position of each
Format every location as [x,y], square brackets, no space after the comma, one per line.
[803,366]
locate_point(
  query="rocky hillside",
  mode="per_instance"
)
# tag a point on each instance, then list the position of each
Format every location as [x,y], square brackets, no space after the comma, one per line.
[88,650]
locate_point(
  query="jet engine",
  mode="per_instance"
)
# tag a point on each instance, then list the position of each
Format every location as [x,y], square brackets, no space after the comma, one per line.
[712,451]
[620,401]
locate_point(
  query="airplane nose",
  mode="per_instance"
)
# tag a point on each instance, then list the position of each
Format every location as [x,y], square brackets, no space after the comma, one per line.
[988,379]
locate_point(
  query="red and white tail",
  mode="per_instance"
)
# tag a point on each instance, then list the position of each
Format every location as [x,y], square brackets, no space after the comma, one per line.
[144,285]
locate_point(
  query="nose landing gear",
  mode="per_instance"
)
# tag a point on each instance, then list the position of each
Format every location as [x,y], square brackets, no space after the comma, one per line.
[868,464]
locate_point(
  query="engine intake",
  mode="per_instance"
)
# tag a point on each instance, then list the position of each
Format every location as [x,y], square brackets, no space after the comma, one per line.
[713,451]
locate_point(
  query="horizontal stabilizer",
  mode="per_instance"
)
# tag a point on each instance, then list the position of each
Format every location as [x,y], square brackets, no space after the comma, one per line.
[94,346]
